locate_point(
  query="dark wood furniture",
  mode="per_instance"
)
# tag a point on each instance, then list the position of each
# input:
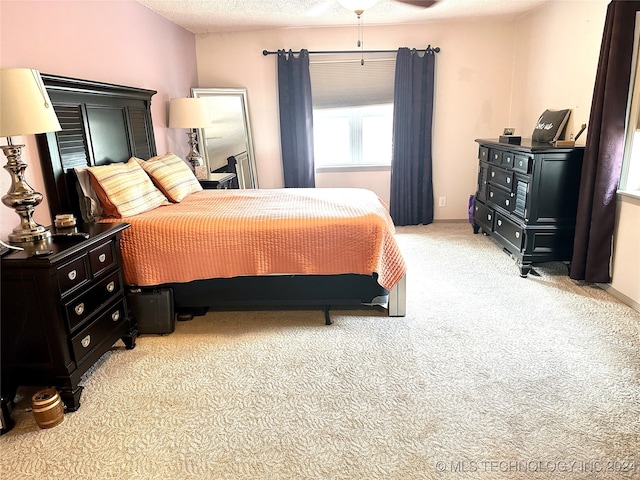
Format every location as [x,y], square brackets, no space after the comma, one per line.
[526,199]
[104,123]
[63,307]
[218,181]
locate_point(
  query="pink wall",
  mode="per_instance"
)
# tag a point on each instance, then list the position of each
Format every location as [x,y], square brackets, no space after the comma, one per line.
[117,41]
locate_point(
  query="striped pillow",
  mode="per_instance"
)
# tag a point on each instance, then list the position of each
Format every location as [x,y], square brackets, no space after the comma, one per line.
[124,189]
[172,176]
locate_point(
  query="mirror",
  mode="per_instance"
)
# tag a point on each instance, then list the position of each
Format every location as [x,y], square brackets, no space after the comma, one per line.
[228,141]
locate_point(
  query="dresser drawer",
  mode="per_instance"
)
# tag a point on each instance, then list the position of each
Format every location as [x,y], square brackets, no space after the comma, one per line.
[90,337]
[500,198]
[72,274]
[483,216]
[82,307]
[495,156]
[509,231]
[102,258]
[483,154]
[522,164]
[507,159]
[501,177]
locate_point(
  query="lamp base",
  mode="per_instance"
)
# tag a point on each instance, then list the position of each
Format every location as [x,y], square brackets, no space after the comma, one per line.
[194,157]
[22,198]
[35,234]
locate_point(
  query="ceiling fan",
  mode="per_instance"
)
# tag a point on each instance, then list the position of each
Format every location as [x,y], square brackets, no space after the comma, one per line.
[359,6]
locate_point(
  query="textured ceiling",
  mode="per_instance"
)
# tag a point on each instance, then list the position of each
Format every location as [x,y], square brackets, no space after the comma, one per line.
[210,16]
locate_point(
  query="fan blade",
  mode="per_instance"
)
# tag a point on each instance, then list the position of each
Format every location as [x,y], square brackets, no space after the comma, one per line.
[419,3]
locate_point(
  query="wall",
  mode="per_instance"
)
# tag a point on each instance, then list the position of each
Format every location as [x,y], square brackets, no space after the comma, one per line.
[473,79]
[547,76]
[118,42]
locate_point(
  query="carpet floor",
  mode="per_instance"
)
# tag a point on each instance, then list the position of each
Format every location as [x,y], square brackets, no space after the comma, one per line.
[488,376]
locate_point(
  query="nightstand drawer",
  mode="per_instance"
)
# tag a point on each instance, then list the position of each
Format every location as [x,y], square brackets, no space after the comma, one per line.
[91,337]
[73,274]
[86,304]
[102,258]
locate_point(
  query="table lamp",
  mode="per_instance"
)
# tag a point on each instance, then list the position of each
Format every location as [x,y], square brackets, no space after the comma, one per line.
[25,109]
[190,113]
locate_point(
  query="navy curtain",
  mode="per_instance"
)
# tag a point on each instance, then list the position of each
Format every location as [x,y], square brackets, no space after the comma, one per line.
[296,119]
[603,152]
[411,200]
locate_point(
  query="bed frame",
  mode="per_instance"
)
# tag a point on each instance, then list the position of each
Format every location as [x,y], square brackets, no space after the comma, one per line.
[104,123]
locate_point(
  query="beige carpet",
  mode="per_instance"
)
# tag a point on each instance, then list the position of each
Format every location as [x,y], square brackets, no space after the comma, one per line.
[488,376]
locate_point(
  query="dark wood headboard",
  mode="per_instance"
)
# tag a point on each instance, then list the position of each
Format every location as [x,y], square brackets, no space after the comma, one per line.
[101,123]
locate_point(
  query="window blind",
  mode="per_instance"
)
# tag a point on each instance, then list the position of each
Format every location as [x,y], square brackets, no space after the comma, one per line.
[339,81]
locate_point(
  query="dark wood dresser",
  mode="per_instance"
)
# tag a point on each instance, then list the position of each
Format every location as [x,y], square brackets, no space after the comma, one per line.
[526,199]
[63,307]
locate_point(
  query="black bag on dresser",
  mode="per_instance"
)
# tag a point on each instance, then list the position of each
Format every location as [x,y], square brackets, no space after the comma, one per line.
[152,309]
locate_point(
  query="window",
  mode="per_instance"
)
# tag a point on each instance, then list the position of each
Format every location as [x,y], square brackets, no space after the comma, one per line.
[353,135]
[630,179]
[352,111]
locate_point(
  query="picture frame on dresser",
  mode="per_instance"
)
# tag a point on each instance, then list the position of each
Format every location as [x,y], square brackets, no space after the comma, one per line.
[526,199]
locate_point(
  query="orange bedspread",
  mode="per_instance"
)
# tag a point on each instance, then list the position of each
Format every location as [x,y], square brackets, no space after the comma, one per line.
[229,233]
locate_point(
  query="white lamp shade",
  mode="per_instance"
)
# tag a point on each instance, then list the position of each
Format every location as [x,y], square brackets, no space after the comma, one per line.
[189,113]
[25,107]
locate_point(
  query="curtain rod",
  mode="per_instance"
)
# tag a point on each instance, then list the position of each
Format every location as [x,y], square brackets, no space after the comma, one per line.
[323,52]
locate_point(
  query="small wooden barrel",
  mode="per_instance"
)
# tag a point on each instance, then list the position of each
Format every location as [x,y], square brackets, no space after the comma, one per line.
[47,408]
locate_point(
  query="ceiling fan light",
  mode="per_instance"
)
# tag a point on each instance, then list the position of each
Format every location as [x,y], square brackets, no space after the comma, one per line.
[357,6]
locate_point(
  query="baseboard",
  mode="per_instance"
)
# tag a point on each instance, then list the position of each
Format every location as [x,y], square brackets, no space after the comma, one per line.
[452,220]
[620,296]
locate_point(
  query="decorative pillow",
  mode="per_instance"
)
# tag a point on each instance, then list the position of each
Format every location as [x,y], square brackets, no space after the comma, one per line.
[171,175]
[124,189]
[550,125]
[90,207]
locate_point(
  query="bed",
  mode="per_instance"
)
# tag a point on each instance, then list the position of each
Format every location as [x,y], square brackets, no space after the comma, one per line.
[105,124]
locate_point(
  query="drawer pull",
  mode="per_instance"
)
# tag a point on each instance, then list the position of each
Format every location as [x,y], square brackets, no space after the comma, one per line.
[493,174]
[517,234]
[499,223]
[508,180]
[86,341]
[491,194]
[79,309]
[520,163]
[111,286]
[489,217]
[102,257]
[72,274]
[115,316]
[506,202]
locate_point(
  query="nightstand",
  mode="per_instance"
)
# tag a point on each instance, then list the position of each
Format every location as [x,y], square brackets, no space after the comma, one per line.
[63,307]
[218,181]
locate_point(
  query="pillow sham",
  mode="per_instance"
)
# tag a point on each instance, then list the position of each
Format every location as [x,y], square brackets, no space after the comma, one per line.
[550,125]
[171,175]
[90,207]
[124,189]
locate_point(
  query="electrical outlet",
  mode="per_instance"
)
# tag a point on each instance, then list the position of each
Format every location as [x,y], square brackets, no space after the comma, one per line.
[442,201]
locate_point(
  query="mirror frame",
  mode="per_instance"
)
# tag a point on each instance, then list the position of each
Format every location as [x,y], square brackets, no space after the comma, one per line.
[241,93]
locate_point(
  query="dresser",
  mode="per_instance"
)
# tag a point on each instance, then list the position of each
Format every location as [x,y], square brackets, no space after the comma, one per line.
[63,307]
[526,199]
